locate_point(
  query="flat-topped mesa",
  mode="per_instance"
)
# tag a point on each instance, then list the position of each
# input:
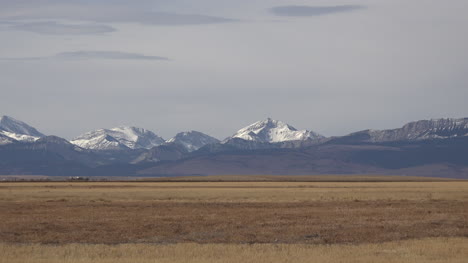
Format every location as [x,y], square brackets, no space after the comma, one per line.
[432,129]
[413,131]
[273,131]
[416,131]
[124,137]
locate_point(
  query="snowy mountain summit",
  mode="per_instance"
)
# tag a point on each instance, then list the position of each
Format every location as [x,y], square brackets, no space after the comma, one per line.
[272,131]
[17,130]
[192,140]
[118,138]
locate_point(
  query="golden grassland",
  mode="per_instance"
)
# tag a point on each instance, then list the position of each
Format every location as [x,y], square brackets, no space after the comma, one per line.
[453,250]
[233,191]
[297,178]
[411,221]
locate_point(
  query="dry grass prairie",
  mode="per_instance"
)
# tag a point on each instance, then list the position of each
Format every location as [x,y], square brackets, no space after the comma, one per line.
[297,178]
[233,221]
[233,192]
[454,250]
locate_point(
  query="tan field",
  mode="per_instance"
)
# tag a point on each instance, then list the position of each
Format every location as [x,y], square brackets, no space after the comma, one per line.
[298,178]
[234,221]
[433,250]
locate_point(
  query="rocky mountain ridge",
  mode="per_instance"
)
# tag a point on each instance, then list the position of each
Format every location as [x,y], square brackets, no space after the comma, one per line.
[413,131]
[265,147]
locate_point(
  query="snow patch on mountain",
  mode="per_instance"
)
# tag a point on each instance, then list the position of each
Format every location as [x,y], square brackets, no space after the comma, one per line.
[20,137]
[273,131]
[118,138]
[17,130]
[192,140]
[5,139]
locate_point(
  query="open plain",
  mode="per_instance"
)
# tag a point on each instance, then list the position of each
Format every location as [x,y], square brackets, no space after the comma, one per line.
[386,221]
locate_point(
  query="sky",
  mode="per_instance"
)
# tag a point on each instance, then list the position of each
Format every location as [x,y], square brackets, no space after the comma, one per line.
[334,67]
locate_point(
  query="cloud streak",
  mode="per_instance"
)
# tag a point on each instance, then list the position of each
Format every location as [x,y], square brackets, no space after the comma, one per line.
[169,19]
[304,11]
[104,55]
[54,28]
[103,12]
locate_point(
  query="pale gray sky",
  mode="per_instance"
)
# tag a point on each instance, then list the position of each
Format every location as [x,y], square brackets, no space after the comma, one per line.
[334,67]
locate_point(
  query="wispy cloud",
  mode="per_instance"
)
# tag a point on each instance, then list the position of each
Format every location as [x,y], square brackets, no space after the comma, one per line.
[102,12]
[107,55]
[169,19]
[298,10]
[75,55]
[54,28]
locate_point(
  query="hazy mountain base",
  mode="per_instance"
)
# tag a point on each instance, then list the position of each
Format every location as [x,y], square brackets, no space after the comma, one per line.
[56,157]
[438,158]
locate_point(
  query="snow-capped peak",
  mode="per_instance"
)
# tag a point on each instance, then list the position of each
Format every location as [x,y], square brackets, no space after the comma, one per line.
[271,131]
[18,130]
[12,125]
[192,140]
[118,138]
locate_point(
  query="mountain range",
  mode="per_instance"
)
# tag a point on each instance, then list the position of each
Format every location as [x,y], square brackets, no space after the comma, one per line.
[118,138]
[437,147]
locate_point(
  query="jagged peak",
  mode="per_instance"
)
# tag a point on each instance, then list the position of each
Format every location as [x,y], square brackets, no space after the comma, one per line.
[118,137]
[192,140]
[130,128]
[12,125]
[271,130]
[189,133]
[185,133]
